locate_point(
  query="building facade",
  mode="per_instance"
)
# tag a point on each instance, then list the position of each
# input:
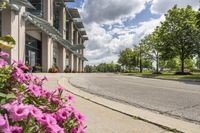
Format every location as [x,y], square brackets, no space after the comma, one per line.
[47,34]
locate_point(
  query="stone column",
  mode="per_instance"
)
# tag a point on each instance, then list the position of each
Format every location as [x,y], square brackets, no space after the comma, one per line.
[47,52]
[76,59]
[80,65]
[22,36]
[80,61]
[62,24]
[13,24]
[81,43]
[62,58]
[48,10]
[71,38]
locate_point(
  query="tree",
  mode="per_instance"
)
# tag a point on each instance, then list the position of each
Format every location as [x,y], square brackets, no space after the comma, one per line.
[153,46]
[144,52]
[198,46]
[88,69]
[189,64]
[198,63]
[179,34]
[127,58]
[172,64]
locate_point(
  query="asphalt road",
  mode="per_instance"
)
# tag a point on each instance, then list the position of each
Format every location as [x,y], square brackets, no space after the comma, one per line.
[174,98]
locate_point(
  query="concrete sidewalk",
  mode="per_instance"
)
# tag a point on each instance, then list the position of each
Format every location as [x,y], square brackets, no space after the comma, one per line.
[101,119]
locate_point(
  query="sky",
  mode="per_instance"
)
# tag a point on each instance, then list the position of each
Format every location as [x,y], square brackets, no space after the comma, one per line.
[113,25]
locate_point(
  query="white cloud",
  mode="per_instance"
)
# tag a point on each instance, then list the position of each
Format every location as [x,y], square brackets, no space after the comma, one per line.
[162,6]
[111,11]
[102,47]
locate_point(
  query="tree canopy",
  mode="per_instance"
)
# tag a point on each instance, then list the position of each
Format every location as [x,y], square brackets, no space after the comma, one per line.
[179,34]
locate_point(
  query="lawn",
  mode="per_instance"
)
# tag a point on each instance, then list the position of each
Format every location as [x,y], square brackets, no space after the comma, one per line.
[166,75]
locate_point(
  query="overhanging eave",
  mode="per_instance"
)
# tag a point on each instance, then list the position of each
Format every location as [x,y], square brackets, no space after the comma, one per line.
[73,12]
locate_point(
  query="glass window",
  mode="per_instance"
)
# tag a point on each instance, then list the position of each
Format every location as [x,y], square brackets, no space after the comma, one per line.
[39,7]
[33,51]
[56,16]
[67,30]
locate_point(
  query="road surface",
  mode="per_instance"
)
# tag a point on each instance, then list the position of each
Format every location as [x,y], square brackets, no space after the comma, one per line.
[175,98]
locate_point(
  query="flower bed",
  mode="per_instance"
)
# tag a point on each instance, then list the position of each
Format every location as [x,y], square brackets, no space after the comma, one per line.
[25,106]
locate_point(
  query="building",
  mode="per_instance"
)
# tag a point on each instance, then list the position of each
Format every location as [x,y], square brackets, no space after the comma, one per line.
[47,34]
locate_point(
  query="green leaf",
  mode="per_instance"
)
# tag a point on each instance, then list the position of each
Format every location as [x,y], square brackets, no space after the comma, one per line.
[10,96]
[2,95]
[2,101]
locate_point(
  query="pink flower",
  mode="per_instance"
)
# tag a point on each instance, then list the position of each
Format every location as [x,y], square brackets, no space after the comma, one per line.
[26,77]
[37,80]
[4,54]
[19,112]
[18,74]
[3,63]
[56,101]
[22,66]
[80,118]
[69,98]
[2,122]
[6,127]
[54,129]
[9,106]
[47,120]
[45,78]
[43,93]
[15,129]
[77,130]
[35,112]
[60,89]
[74,130]
[63,114]
[36,90]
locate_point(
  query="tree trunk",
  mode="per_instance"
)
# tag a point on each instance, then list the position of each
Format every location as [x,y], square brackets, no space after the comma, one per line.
[157,63]
[182,65]
[141,69]
[182,60]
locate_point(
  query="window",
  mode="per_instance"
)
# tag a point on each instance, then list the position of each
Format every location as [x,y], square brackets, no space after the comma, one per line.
[67,30]
[33,51]
[38,4]
[54,61]
[56,16]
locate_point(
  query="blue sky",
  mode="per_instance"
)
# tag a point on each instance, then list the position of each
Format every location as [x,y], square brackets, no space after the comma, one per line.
[113,25]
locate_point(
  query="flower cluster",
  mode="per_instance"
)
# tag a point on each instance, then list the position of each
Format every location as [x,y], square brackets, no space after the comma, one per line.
[25,106]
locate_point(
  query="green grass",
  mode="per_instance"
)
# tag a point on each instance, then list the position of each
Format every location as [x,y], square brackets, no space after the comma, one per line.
[166,75]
